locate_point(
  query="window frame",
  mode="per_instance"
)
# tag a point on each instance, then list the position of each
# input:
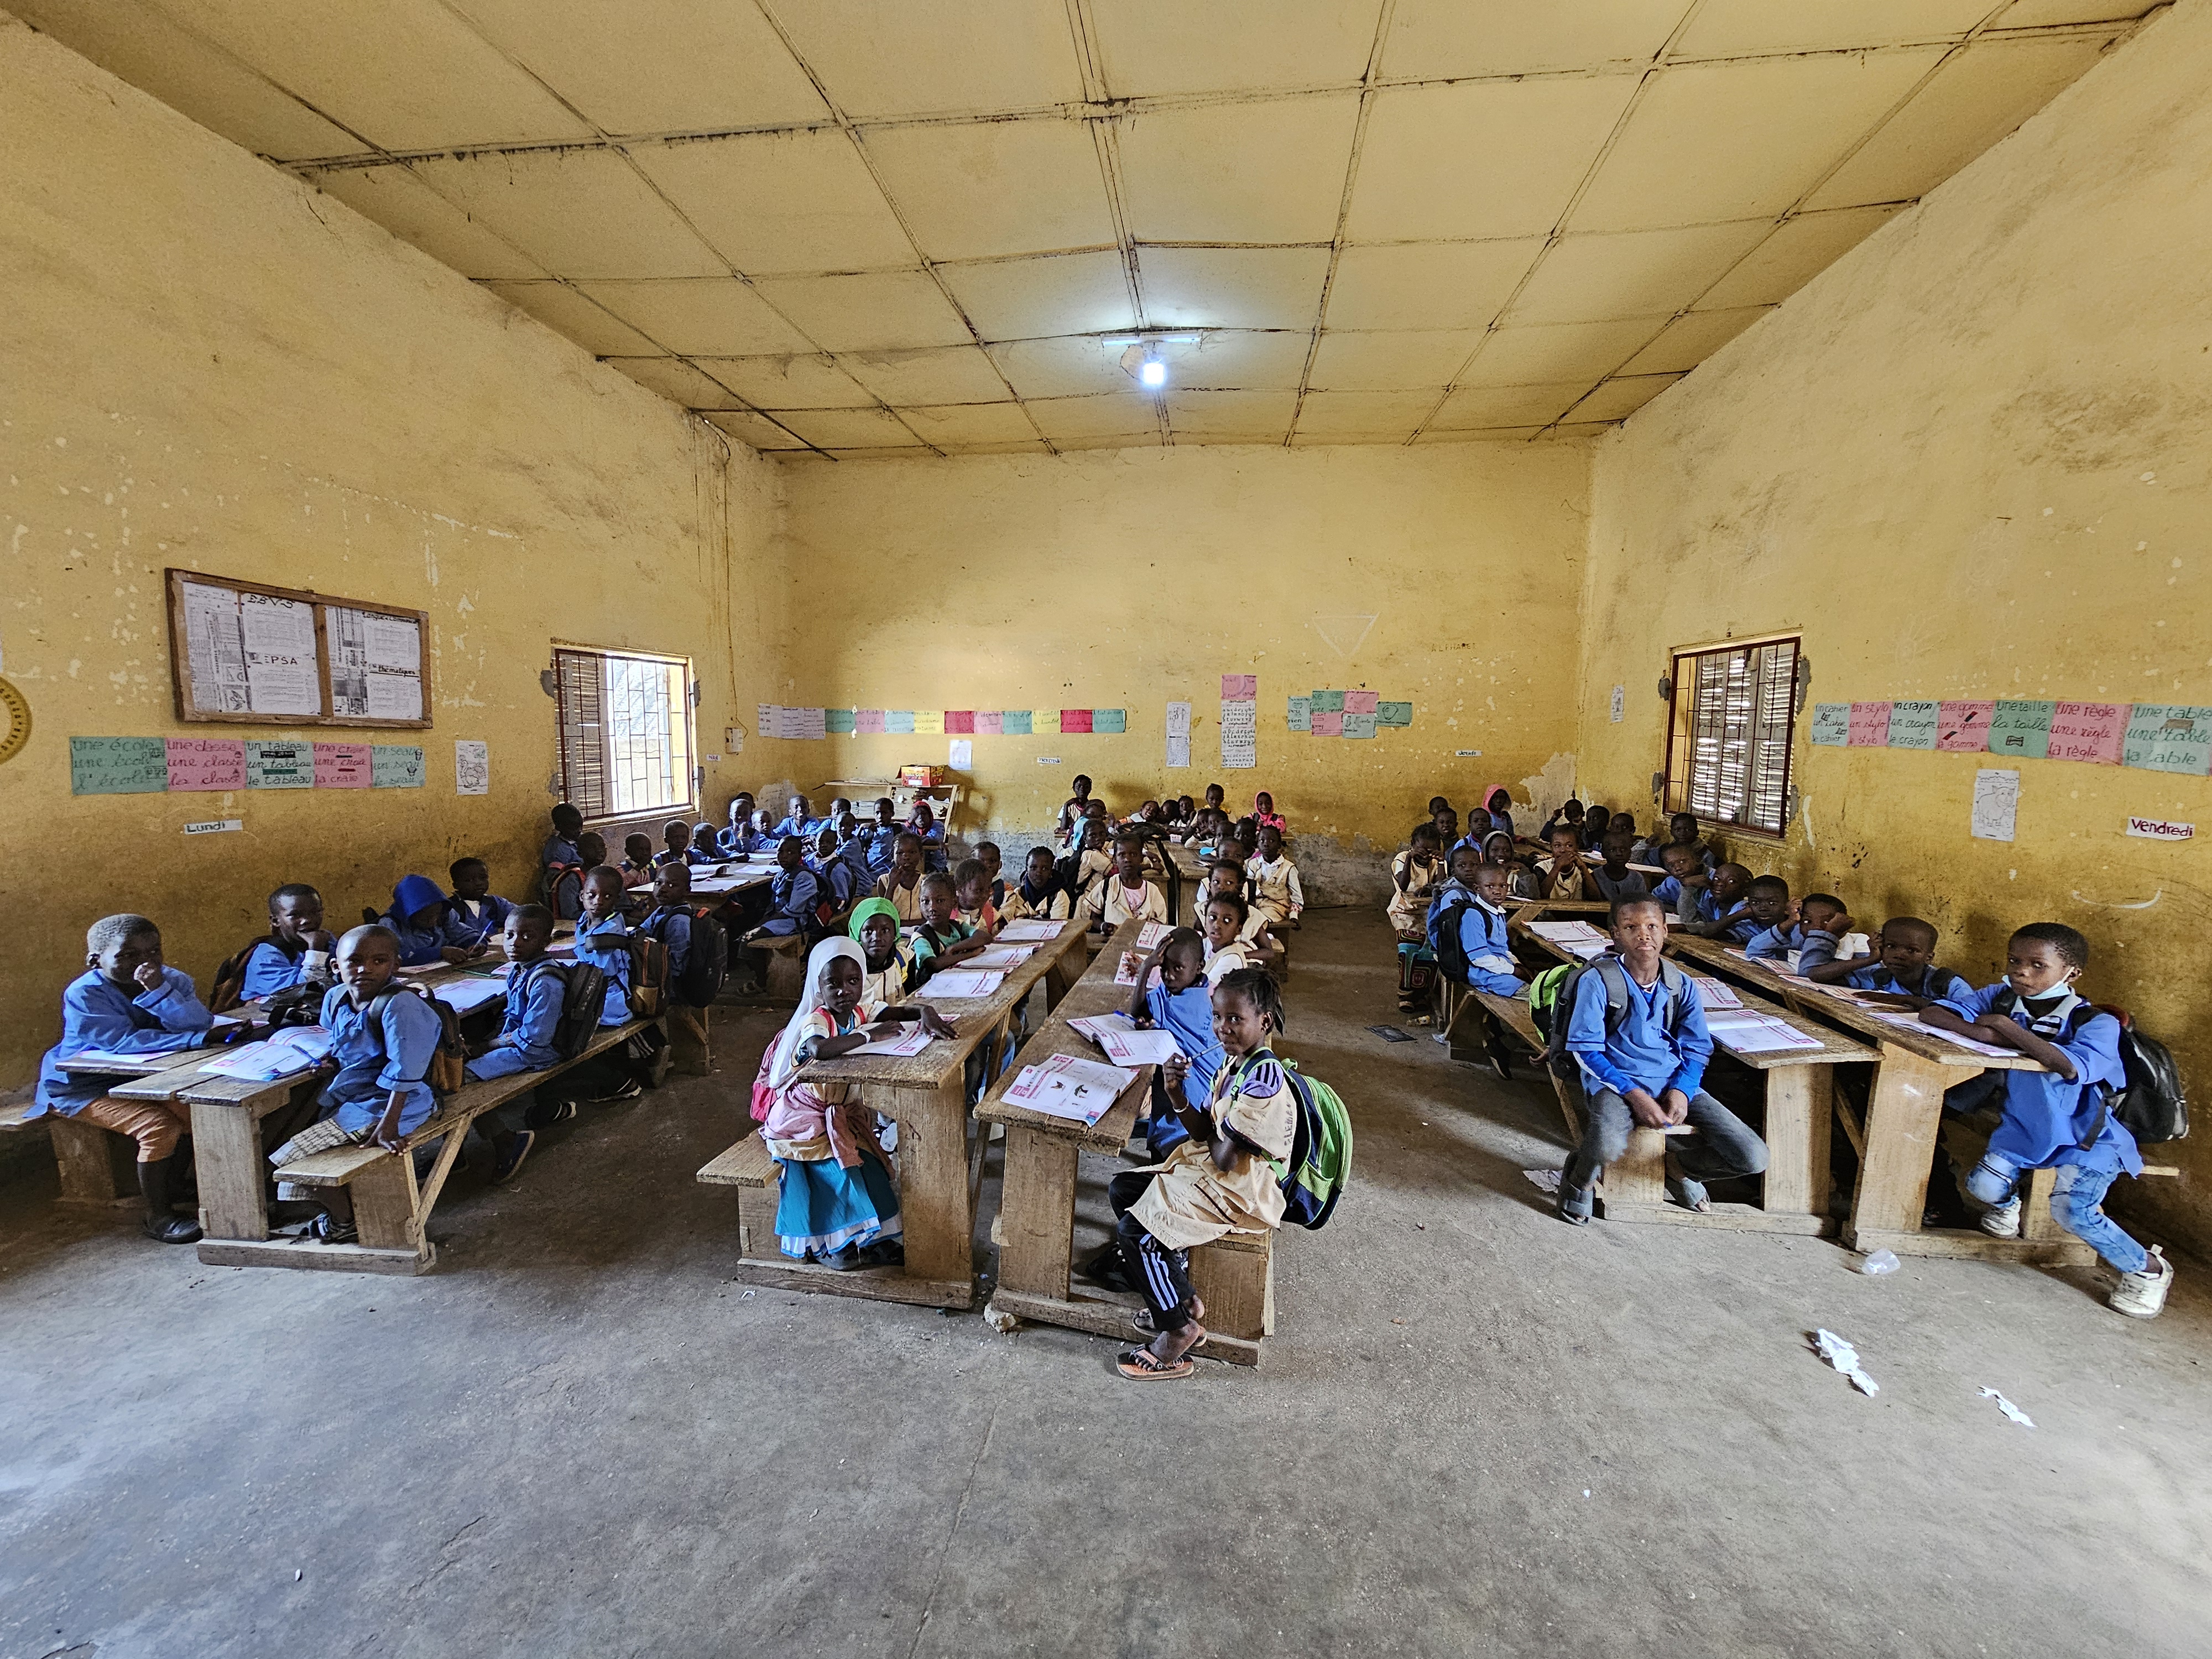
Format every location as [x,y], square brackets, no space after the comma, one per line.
[1680,758]
[686,768]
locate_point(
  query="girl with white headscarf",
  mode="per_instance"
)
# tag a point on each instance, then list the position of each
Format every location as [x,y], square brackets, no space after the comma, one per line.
[838,1205]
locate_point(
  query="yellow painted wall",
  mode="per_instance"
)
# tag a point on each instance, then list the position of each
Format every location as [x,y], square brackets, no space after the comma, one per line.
[1970,460]
[1130,577]
[208,365]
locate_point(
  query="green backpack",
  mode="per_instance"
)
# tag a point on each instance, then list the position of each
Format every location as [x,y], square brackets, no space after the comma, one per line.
[1319,1163]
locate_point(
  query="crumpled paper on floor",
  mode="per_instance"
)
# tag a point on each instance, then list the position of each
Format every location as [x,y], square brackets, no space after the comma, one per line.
[1545,1181]
[2008,1408]
[1845,1358]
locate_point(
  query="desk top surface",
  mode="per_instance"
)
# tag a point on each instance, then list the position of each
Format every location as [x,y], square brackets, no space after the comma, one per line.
[1096,993]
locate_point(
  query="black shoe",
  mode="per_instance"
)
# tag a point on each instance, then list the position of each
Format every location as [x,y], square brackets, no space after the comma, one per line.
[1106,1270]
[884,1253]
[544,1113]
[844,1260]
[629,1089]
[511,1155]
[1498,1062]
[160,1223]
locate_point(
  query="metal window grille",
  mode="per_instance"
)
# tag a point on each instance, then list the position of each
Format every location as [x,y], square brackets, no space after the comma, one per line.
[625,732]
[1734,715]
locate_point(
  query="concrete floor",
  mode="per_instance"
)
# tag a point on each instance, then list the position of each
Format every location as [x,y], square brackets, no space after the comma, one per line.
[1479,1431]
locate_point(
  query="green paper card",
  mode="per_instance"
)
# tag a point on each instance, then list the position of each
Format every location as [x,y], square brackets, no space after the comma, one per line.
[1327,702]
[279,765]
[1912,725]
[837,719]
[395,766]
[2169,737]
[1360,726]
[1301,714]
[1014,722]
[119,766]
[2021,729]
[1831,724]
[1109,720]
[1394,713]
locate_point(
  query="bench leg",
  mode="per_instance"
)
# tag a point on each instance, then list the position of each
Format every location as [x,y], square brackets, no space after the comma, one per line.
[86,1156]
[1638,1175]
[385,1204]
[1237,1287]
[1798,1103]
[1036,1212]
[757,1220]
[688,1037]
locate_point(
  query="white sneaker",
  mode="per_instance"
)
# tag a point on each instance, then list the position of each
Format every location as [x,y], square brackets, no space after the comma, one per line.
[2140,1296]
[2002,1220]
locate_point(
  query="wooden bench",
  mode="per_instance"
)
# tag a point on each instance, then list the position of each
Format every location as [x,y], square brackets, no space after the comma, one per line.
[97,1167]
[392,1207]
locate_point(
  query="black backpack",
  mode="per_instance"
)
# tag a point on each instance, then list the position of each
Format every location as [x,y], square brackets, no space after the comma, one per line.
[708,964]
[581,1005]
[1445,944]
[1610,970]
[2151,1104]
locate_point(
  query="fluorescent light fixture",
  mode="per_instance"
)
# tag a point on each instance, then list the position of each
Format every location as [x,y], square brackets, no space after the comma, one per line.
[1151,374]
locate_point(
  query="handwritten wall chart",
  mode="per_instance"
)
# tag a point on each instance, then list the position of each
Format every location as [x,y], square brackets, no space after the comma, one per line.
[151,766]
[2153,736]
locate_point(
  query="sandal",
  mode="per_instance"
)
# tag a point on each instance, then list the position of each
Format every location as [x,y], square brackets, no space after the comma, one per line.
[1690,1195]
[327,1229]
[1142,1319]
[1143,1366]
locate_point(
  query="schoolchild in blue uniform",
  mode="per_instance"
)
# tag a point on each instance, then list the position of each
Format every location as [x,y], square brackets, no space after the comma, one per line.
[383,1037]
[1177,999]
[852,847]
[474,914]
[603,940]
[798,819]
[1647,1071]
[921,824]
[1473,901]
[127,1001]
[754,839]
[1613,880]
[728,842]
[670,917]
[560,848]
[1819,925]
[536,990]
[706,846]
[1903,967]
[839,884]
[2060,1117]
[297,951]
[421,921]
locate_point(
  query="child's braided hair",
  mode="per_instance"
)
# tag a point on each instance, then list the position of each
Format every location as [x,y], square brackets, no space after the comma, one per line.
[1258,986]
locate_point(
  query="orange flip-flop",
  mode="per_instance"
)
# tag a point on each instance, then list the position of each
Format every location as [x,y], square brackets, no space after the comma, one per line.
[1143,1366]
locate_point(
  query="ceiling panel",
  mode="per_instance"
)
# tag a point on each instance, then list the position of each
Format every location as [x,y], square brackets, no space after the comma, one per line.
[1240,359]
[395,199]
[1110,415]
[1555,353]
[1722,28]
[1435,39]
[781,202]
[938,374]
[1486,160]
[1621,397]
[1233,286]
[190,74]
[1148,48]
[1798,251]
[1427,285]
[897,57]
[1363,417]
[1035,299]
[700,316]
[579,213]
[673,378]
[1062,368]
[1451,434]
[961,426]
[885,311]
[562,308]
[2037,14]
[1688,341]
[1393,362]
[407,75]
[1256,416]
[757,430]
[1976,98]
[981,190]
[788,382]
[1741,141]
[846,429]
[1482,408]
[1270,171]
[654,65]
[1637,273]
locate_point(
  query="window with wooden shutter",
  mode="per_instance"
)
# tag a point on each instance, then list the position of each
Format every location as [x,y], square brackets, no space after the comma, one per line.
[1727,751]
[625,732]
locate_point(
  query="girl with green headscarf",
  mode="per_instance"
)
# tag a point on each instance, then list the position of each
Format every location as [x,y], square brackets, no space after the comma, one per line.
[888,963]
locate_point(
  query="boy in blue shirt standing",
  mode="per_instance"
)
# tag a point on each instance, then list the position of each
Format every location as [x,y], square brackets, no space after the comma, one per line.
[2062,1115]
[1644,1066]
[536,990]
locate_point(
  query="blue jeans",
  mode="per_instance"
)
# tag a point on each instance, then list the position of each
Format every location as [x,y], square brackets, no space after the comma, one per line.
[2077,1201]
[1723,1144]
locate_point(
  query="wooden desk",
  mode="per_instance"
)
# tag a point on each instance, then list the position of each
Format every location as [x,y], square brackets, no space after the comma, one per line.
[726,881]
[1189,870]
[927,1094]
[1800,1090]
[1913,1066]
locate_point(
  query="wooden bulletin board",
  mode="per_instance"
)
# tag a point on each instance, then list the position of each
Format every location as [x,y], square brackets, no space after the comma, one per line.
[247,653]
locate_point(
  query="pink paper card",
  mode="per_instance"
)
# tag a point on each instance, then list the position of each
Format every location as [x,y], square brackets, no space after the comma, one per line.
[342,766]
[1075,720]
[1870,725]
[1360,702]
[870,720]
[2089,731]
[1963,727]
[960,719]
[1239,688]
[988,722]
[1330,725]
[207,762]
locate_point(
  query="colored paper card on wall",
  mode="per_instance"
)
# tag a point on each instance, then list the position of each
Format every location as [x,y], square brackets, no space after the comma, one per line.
[1014,722]
[1360,702]
[839,720]
[2021,728]
[395,766]
[1912,725]
[1394,713]
[929,721]
[899,721]
[1870,725]
[1963,728]
[1075,720]
[987,723]
[868,722]
[1109,720]
[1239,688]
[2168,737]
[118,766]
[960,719]
[206,762]
[1359,725]
[1301,714]
[1327,702]
[272,765]
[2090,731]
[1831,724]
[342,766]
[1328,722]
